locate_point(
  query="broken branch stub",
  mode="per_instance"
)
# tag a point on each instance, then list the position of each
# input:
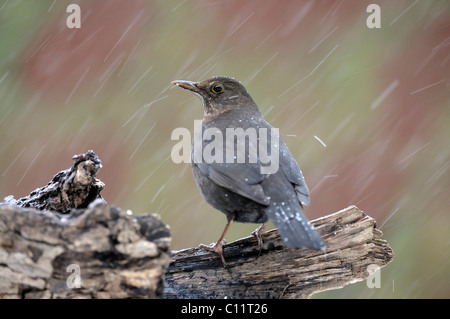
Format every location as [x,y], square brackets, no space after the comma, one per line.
[75,187]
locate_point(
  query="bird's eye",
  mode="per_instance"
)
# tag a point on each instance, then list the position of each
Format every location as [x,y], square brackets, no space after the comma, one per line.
[217,88]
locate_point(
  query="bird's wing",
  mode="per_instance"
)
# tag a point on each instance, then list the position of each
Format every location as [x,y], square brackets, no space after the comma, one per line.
[245,178]
[241,178]
[293,173]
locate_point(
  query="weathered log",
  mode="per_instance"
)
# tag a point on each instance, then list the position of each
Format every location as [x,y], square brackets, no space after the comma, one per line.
[70,244]
[354,249]
[99,252]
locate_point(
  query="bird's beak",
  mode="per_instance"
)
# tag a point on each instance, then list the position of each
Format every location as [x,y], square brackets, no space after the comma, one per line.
[188,85]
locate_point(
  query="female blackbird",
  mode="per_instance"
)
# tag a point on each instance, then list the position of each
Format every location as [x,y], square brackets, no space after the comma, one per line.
[240,185]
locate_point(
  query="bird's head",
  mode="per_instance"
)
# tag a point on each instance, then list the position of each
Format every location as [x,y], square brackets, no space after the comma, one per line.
[219,94]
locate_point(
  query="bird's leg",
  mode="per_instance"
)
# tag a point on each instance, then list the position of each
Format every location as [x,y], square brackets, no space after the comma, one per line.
[218,246]
[257,233]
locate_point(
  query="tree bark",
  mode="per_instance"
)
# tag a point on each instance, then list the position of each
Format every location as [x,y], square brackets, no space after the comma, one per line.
[112,253]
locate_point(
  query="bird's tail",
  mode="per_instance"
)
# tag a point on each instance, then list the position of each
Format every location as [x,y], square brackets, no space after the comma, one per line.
[293,226]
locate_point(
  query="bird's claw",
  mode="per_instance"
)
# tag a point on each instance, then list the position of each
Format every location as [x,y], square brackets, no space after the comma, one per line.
[258,234]
[216,248]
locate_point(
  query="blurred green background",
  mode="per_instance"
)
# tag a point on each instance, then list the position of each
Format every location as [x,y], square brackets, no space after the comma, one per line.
[377,98]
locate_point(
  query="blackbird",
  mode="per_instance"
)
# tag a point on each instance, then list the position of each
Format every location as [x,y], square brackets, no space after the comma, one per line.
[242,189]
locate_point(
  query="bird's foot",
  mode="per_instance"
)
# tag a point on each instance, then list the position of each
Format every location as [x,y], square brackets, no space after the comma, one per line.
[258,234]
[216,248]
